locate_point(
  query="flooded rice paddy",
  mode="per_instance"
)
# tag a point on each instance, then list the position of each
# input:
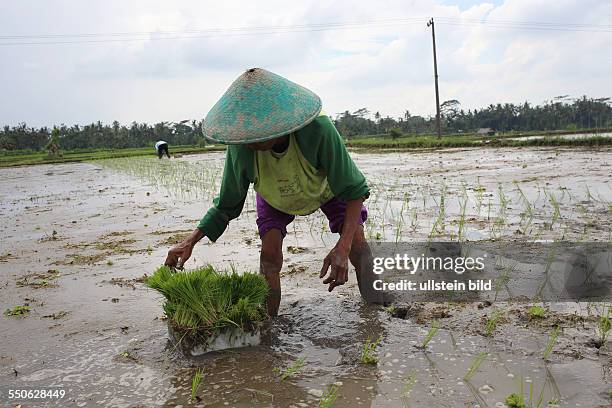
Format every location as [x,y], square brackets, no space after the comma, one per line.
[77,240]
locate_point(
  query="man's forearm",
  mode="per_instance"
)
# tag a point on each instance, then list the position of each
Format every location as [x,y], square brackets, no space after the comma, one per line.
[195,236]
[351,223]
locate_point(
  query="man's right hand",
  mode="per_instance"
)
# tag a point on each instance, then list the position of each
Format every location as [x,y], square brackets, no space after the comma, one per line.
[178,255]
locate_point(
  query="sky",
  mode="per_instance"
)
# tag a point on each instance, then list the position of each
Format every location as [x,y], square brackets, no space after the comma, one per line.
[76,62]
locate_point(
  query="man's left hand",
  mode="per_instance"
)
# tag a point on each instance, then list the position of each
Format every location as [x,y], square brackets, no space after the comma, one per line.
[337,259]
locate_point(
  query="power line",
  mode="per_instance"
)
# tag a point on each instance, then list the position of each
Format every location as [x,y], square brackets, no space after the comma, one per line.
[218,29]
[91,38]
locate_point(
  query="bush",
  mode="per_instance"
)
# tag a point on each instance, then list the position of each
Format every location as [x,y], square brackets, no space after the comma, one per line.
[202,302]
[395,133]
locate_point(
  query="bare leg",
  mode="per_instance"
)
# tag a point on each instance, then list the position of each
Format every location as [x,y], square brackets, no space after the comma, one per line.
[270,264]
[362,260]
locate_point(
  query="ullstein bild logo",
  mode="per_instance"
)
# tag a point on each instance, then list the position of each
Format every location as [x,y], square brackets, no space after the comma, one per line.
[443,271]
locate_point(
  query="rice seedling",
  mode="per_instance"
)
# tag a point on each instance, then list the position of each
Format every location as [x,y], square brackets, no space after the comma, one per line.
[603,327]
[462,207]
[414,223]
[202,302]
[523,197]
[499,223]
[329,397]
[391,309]
[431,333]
[556,209]
[589,196]
[424,198]
[552,340]
[479,190]
[476,363]
[291,370]
[18,311]
[398,230]
[503,199]
[536,312]
[367,352]
[503,279]
[409,382]
[195,383]
[528,212]
[515,401]
[492,322]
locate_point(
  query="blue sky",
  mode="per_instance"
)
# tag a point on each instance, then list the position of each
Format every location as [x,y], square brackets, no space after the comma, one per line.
[385,65]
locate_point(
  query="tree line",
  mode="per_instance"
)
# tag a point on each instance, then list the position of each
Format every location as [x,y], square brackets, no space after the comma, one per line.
[560,113]
[556,114]
[101,136]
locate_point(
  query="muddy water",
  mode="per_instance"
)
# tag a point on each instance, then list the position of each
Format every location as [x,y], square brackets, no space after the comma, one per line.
[77,238]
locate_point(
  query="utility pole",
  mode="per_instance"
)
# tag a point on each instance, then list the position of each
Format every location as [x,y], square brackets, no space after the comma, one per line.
[433,37]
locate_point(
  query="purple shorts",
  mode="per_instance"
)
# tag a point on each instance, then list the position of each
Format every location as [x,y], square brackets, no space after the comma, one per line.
[269,217]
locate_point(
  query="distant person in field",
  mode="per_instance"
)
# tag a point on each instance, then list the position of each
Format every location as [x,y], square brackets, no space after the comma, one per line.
[161,147]
[279,140]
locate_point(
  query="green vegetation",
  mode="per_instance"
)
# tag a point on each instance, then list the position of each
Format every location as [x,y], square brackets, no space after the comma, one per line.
[433,330]
[603,327]
[518,400]
[409,382]
[515,401]
[492,322]
[291,370]
[429,141]
[395,133]
[391,309]
[329,397]
[552,340]
[558,113]
[367,353]
[179,178]
[23,158]
[478,360]
[18,311]
[23,145]
[98,135]
[202,302]
[536,312]
[195,383]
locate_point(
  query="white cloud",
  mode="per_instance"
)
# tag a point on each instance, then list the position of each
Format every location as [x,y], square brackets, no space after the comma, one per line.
[386,67]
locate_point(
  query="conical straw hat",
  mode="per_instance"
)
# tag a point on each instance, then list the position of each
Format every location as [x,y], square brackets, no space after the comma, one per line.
[259,106]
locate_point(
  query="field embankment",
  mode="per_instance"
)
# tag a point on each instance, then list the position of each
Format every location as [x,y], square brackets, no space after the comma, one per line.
[28,157]
[418,142]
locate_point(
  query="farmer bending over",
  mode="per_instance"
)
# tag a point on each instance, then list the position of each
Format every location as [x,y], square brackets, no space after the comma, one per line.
[161,147]
[281,143]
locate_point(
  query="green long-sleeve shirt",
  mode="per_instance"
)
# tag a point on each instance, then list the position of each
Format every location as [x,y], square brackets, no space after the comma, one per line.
[321,145]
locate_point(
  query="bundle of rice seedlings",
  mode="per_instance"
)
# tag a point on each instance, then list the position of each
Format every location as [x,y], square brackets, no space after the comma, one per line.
[202,303]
